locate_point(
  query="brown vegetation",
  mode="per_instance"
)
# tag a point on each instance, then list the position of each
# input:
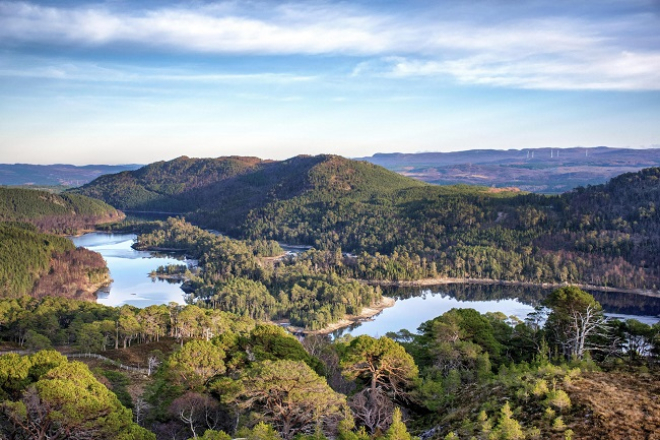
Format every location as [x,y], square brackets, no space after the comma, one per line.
[74,224]
[139,354]
[76,274]
[616,406]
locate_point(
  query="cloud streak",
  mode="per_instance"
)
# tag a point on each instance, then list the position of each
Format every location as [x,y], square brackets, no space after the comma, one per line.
[532,52]
[206,30]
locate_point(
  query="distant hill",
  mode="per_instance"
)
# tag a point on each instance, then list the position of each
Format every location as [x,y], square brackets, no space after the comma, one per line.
[56,175]
[544,170]
[56,213]
[222,192]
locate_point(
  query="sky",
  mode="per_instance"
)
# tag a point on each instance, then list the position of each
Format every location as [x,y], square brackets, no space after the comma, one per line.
[124,81]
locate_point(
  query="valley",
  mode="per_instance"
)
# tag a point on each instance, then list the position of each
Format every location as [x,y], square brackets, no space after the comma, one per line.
[329,220]
[464,296]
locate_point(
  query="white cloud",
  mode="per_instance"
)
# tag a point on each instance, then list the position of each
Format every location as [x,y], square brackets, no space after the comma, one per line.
[554,52]
[211,30]
[601,71]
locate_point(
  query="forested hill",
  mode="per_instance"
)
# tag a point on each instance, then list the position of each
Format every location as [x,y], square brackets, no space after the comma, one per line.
[604,235]
[222,192]
[57,213]
[168,186]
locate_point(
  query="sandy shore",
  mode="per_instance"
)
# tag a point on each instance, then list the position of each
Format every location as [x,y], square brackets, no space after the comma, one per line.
[367,312]
[445,280]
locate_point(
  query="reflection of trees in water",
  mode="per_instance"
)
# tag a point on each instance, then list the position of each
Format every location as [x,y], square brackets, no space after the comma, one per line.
[612,302]
[171,255]
[171,280]
[473,292]
[627,303]
[146,217]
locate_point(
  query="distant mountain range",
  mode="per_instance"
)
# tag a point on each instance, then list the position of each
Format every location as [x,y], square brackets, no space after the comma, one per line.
[56,175]
[544,170]
[541,170]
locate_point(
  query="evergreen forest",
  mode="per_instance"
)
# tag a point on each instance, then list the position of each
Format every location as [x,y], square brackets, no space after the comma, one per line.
[249,356]
[603,235]
[63,214]
[185,372]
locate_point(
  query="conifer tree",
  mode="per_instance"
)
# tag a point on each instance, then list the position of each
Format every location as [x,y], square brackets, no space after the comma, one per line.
[507,427]
[397,430]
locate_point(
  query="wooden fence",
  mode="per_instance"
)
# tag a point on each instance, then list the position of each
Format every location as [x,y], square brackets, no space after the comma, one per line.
[86,355]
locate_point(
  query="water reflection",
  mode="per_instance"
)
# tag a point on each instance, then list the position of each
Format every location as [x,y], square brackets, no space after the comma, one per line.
[130,270]
[132,285]
[417,305]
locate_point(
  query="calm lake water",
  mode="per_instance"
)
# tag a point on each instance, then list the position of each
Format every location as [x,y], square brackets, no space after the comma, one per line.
[132,285]
[417,305]
[129,270]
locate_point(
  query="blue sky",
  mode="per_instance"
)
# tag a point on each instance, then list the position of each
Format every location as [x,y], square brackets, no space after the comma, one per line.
[134,82]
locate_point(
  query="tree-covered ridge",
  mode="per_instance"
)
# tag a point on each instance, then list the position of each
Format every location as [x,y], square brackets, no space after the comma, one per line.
[166,186]
[41,264]
[57,213]
[603,235]
[233,186]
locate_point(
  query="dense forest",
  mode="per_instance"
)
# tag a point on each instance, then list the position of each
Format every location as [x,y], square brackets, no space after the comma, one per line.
[55,213]
[218,368]
[210,374]
[34,257]
[604,235]
[243,277]
[41,265]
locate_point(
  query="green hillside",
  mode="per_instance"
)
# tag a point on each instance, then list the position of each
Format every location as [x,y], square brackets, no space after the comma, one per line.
[221,193]
[37,264]
[58,213]
[166,186]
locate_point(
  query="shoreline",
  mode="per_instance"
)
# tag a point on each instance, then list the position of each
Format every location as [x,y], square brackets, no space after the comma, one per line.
[95,288]
[348,320]
[94,228]
[158,249]
[424,282]
[166,276]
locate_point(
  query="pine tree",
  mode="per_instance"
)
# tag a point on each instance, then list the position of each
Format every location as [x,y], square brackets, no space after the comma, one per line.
[507,427]
[397,430]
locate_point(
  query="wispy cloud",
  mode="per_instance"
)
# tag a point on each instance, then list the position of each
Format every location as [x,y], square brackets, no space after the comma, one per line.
[591,71]
[288,30]
[90,72]
[602,52]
